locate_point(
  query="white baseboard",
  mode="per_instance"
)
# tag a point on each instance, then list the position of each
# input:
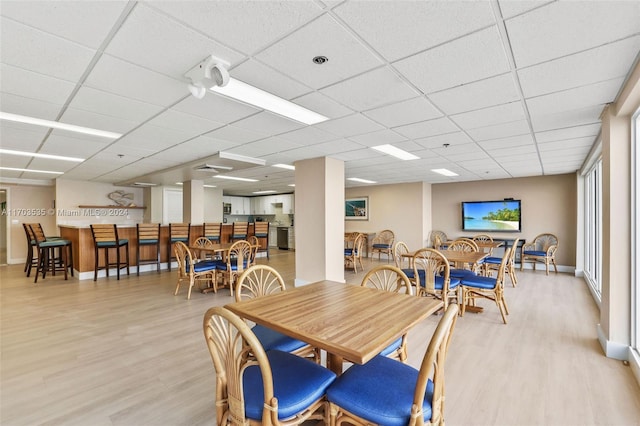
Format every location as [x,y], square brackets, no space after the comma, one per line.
[612,349]
[541,268]
[88,275]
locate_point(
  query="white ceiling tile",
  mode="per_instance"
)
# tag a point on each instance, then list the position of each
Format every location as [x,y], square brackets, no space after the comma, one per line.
[265,146]
[308,136]
[247,26]
[187,123]
[603,63]
[357,154]
[397,30]
[471,58]
[352,125]
[510,8]
[97,121]
[21,137]
[439,126]
[265,78]
[87,23]
[568,133]
[235,134]
[356,92]
[105,103]
[161,44]
[15,161]
[405,112]
[33,85]
[324,36]
[512,141]
[135,82]
[569,27]
[154,137]
[468,151]
[75,145]
[336,146]
[29,107]
[453,139]
[512,151]
[567,118]
[505,113]
[34,50]
[129,150]
[492,91]
[579,97]
[323,105]
[499,131]
[378,138]
[578,143]
[216,108]
[51,165]
[268,123]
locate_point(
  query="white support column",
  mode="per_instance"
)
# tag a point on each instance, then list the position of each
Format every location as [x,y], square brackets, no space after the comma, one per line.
[193,202]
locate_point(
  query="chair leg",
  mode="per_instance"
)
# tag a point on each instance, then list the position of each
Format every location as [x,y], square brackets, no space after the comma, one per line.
[95,268]
[106,260]
[158,256]
[138,259]
[126,250]
[117,261]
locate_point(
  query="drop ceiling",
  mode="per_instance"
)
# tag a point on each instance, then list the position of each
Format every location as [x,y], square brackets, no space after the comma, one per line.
[487,89]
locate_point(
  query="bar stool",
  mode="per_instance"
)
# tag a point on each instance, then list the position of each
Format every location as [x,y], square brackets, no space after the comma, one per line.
[212,231]
[47,260]
[177,232]
[31,247]
[148,235]
[240,230]
[261,230]
[105,236]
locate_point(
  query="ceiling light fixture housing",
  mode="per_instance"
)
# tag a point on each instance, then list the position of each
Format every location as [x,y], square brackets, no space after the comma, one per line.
[396,152]
[57,125]
[361,180]
[445,172]
[285,166]
[38,155]
[209,73]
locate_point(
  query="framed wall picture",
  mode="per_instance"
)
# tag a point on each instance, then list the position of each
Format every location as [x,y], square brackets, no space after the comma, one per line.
[356,208]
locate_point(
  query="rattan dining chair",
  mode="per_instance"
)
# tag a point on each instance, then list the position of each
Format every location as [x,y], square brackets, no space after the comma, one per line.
[431,270]
[237,260]
[383,243]
[262,280]
[493,263]
[256,387]
[392,279]
[403,262]
[190,271]
[460,269]
[479,287]
[353,254]
[541,250]
[385,391]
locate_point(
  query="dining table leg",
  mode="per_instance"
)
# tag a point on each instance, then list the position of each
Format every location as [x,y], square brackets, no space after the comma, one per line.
[334,363]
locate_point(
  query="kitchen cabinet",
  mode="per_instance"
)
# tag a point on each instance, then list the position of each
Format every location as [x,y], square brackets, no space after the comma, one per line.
[239,205]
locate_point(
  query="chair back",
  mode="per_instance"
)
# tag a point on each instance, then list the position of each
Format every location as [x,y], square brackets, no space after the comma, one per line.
[358,244]
[437,238]
[387,278]
[544,242]
[31,237]
[427,265]
[203,242]
[384,237]
[36,233]
[483,238]
[258,281]
[184,259]
[432,367]
[212,231]
[512,257]
[463,244]
[179,231]
[240,230]
[104,233]
[148,231]
[233,347]
[399,249]
[261,229]
[255,243]
[240,252]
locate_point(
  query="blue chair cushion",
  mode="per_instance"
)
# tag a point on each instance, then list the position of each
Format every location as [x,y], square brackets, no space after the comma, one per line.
[54,243]
[179,239]
[382,246]
[147,241]
[439,281]
[103,244]
[479,282]
[222,266]
[410,273]
[493,260]
[272,339]
[239,236]
[380,391]
[205,265]
[349,252]
[213,238]
[461,273]
[297,383]
[392,347]
[262,235]
[535,252]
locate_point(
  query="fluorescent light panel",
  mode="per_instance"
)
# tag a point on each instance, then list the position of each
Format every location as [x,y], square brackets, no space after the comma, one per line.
[37,155]
[396,152]
[204,186]
[360,180]
[285,166]
[236,178]
[269,191]
[57,125]
[30,170]
[444,172]
[292,184]
[251,95]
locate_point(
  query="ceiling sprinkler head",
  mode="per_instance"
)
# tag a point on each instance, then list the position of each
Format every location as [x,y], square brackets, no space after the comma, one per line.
[446,145]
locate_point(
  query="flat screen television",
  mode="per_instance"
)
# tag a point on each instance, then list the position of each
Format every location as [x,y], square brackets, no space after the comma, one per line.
[491,216]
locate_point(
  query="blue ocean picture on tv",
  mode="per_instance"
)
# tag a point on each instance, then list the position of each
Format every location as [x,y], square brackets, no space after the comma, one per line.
[491,215]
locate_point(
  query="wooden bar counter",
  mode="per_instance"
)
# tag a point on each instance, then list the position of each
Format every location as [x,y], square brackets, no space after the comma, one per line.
[83,251]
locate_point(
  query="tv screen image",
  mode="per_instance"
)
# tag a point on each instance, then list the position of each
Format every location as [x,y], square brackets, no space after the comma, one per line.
[491,216]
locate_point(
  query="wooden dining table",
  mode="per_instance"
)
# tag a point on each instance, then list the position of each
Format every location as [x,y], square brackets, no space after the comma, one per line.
[349,322]
[454,256]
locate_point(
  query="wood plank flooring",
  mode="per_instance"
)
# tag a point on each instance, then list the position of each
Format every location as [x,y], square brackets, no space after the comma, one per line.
[130,353]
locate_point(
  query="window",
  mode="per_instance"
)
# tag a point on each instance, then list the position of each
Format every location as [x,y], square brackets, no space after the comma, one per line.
[593,228]
[635,229]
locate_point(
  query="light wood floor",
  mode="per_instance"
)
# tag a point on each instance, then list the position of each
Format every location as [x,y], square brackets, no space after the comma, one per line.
[130,353]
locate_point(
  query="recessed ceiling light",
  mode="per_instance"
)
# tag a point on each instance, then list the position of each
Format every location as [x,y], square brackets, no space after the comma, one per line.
[292,184]
[57,125]
[396,152]
[444,172]
[251,95]
[204,186]
[145,184]
[319,60]
[266,191]
[30,170]
[37,155]
[360,180]
[235,178]
[285,166]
